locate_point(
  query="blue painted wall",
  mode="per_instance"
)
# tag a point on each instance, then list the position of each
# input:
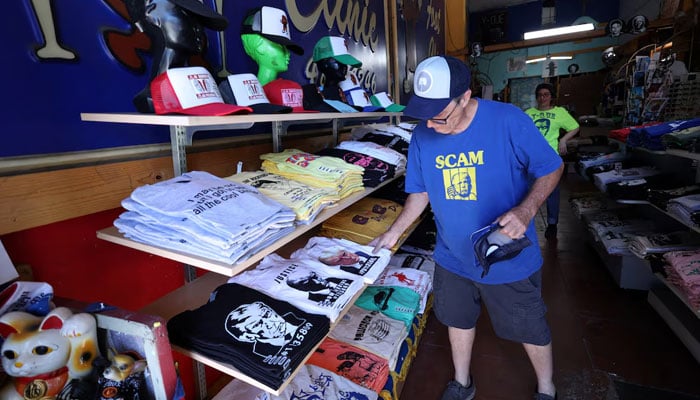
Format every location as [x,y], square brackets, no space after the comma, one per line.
[103,61]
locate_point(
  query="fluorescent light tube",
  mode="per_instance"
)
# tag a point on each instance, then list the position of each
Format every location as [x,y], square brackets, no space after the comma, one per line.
[559,31]
[534,60]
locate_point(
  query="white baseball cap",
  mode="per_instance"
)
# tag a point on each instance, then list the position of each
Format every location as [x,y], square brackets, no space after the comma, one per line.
[273,24]
[192,91]
[437,81]
[246,90]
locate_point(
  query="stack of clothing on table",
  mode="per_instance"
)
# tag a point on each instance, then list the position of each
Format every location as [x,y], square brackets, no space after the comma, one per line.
[591,203]
[651,136]
[616,230]
[683,271]
[263,337]
[658,243]
[586,161]
[686,208]
[686,139]
[603,179]
[306,201]
[201,214]
[638,189]
[661,197]
[315,170]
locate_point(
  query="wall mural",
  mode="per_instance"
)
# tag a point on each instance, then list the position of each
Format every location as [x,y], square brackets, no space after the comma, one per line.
[74,56]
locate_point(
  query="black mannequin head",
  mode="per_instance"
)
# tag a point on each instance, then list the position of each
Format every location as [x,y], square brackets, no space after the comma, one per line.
[176,30]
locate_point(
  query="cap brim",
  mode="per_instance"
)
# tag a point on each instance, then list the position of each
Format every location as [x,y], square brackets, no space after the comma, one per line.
[372,109]
[267,108]
[423,108]
[208,17]
[347,59]
[215,109]
[293,47]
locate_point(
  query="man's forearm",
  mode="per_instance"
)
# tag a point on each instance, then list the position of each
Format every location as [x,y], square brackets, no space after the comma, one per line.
[412,209]
[541,189]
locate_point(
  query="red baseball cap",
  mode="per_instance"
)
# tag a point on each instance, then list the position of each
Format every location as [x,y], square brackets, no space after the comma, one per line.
[286,93]
[191,91]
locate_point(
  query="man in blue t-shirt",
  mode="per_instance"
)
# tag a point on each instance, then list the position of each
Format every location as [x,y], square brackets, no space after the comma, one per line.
[479,162]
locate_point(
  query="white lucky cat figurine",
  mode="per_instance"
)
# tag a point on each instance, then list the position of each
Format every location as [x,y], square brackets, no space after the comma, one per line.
[42,355]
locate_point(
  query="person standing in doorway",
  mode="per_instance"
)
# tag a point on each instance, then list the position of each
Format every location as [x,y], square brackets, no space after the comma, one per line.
[472,160]
[550,119]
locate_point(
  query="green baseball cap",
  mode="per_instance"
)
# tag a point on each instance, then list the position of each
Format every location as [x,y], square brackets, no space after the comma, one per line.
[334,47]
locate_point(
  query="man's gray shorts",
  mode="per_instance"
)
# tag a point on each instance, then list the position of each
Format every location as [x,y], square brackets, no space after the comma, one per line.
[516,309]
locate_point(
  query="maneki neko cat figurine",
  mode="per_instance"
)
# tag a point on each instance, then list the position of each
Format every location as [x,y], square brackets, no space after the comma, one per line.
[46,357]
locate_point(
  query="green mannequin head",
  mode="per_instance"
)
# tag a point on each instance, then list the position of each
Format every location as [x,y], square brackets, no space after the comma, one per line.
[272,58]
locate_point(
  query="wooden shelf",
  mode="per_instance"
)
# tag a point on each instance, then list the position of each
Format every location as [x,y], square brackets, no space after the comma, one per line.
[113,235]
[222,121]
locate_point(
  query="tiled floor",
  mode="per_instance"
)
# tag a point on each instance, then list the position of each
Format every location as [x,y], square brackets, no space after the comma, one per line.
[601,333]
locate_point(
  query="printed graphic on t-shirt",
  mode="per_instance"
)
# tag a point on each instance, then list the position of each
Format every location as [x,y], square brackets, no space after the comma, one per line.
[459,174]
[273,336]
[543,125]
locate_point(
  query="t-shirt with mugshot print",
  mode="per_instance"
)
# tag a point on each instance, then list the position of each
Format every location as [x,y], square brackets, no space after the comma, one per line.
[475,176]
[371,331]
[360,366]
[549,122]
[304,285]
[264,338]
[344,255]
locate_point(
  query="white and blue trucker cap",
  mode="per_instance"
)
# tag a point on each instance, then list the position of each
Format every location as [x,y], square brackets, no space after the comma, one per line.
[437,81]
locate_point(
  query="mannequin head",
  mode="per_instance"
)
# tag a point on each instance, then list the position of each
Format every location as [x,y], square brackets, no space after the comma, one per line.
[176,31]
[332,71]
[272,58]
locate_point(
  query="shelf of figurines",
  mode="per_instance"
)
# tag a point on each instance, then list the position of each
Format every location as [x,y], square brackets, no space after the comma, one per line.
[113,235]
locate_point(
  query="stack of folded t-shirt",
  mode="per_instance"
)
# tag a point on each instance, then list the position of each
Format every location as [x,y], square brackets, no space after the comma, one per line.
[601,180]
[686,208]
[414,279]
[661,197]
[321,291]
[372,331]
[683,272]
[315,170]
[375,171]
[657,243]
[306,201]
[264,338]
[343,255]
[360,366]
[375,150]
[686,139]
[201,214]
[400,303]
[364,220]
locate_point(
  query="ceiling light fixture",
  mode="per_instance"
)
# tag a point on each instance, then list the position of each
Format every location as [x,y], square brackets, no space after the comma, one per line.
[538,59]
[559,31]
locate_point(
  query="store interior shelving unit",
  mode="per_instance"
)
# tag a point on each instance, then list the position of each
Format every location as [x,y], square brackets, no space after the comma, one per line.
[666,299]
[196,290]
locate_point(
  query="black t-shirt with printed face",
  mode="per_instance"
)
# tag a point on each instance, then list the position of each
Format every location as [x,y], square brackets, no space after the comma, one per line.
[263,337]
